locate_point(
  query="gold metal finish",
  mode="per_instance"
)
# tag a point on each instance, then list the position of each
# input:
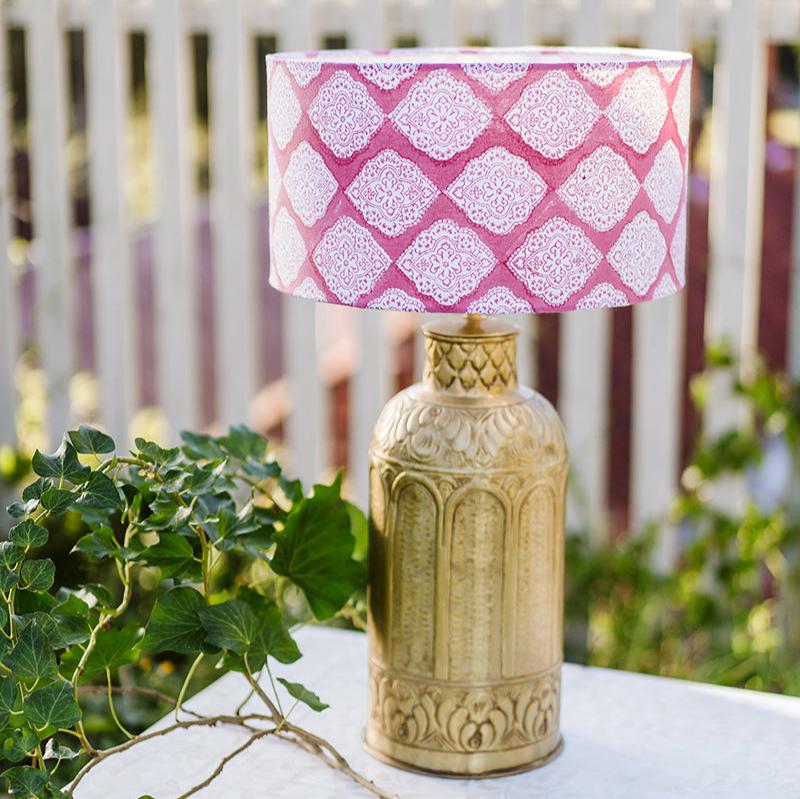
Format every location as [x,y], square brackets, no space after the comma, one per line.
[467,480]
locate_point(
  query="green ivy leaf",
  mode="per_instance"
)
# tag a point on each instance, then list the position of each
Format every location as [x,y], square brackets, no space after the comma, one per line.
[148,451]
[26,781]
[99,493]
[9,698]
[114,648]
[230,625]
[243,443]
[38,575]
[199,447]
[302,693]
[98,544]
[8,579]
[174,625]
[314,550]
[19,509]
[36,489]
[32,658]
[19,742]
[173,554]
[89,441]
[28,534]
[62,465]
[57,500]
[54,750]
[10,553]
[53,706]
[166,514]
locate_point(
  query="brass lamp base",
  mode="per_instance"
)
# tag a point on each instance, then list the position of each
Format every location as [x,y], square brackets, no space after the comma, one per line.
[467,480]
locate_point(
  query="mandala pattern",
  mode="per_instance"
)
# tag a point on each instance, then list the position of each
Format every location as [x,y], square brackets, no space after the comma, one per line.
[309,290]
[397,300]
[555,261]
[497,190]
[669,69]
[441,116]
[499,300]
[601,189]
[665,287]
[304,71]
[391,192]
[601,73]
[309,184]
[350,260]
[284,108]
[447,262]
[603,295]
[344,115]
[681,105]
[638,110]
[288,249]
[496,77]
[553,115]
[677,248]
[664,181]
[638,253]
[387,76]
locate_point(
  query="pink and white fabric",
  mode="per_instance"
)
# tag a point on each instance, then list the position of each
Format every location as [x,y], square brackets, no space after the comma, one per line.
[479,180]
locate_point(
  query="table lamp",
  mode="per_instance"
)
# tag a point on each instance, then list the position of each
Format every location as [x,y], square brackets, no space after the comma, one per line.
[473,181]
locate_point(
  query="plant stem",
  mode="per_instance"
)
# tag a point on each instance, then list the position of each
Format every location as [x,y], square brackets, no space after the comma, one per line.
[185,686]
[111,707]
[274,689]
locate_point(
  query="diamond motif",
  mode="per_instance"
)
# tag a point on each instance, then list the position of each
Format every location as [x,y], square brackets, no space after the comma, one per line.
[349,259]
[397,300]
[304,71]
[664,181]
[603,295]
[447,261]
[601,73]
[601,189]
[681,108]
[677,247]
[309,290]
[555,261]
[665,287]
[344,115]
[273,176]
[441,116]
[499,300]
[669,69]
[387,76]
[638,110]
[391,192]
[638,253]
[495,77]
[288,249]
[497,190]
[553,115]
[284,108]
[309,184]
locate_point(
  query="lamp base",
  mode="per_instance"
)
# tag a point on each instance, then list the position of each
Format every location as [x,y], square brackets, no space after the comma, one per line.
[467,479]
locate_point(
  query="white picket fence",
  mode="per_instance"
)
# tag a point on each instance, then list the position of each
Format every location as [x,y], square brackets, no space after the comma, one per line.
[741,28]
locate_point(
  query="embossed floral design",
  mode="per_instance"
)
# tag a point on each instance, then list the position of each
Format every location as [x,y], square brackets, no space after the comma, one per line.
[681,108]
[553,115]
[288,249]
[499,300]
[391,192]
[638,253]
[396,300]
[309,290]
[495,77]
[446,261]
[441,116]
[603,295]
[304,71]
[601,189]
[638,110]
[601,73]
[664,181]
[664,288]
[497,190]
[309,184]
[387,76]
[284,108]
[349,259]
[555,261]
[344,115]
[677,247]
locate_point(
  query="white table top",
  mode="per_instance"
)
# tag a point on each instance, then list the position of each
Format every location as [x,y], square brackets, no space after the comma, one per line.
[628,736]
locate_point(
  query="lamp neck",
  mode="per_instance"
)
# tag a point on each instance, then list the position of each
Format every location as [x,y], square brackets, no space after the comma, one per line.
[470,357]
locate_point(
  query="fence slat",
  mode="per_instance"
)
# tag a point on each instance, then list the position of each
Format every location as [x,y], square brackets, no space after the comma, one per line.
[175,277]
[54,264]
[657,359]
[584,362]
[113,278]
[438,27]
[235,262]
[794,304]
[8,333]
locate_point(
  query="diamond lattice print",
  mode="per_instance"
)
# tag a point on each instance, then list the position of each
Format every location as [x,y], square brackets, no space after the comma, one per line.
[499,300]
[288,249]
[391,192]
[603,295]
[638,253]
[396,300]
[496,77]
[387,76]
[638,111]
[284,108]
[309,184]
[664,181]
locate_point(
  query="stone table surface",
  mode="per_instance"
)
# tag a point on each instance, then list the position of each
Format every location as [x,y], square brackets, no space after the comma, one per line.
[628,736]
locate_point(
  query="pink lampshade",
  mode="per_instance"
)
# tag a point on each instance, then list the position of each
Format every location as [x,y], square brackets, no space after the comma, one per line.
[479,180]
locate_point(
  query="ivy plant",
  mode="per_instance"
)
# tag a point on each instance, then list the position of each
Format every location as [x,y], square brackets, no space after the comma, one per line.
[186,512]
